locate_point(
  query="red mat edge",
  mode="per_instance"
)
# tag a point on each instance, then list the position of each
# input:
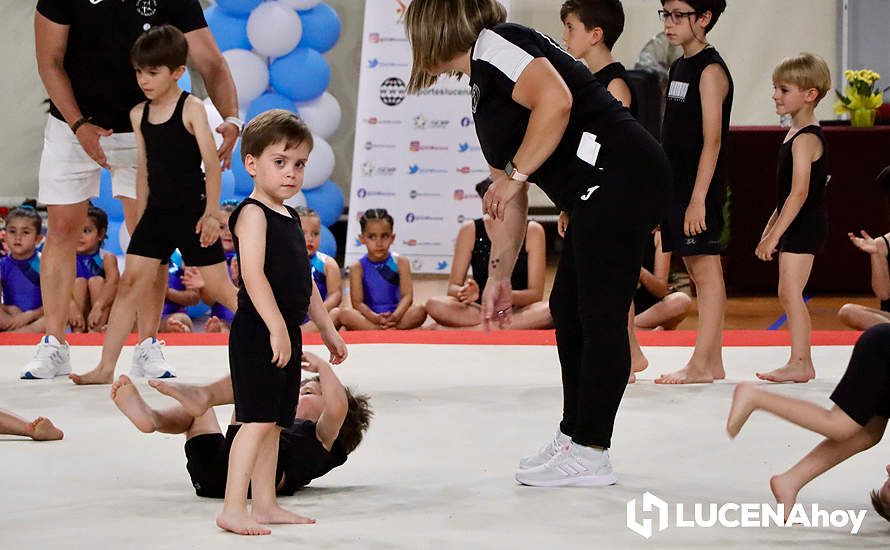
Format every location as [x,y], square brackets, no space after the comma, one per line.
[676,338]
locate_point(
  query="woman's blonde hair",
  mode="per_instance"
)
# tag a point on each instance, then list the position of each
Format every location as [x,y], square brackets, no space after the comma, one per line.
[806,71]
[440,30]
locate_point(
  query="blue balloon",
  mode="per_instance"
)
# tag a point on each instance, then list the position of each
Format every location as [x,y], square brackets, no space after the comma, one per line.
[198,310]
[227,189]
[301,75]
[327,244]
[327,200]
[321,28]
[185,82]
[230,31]
[243,181]
[238,7]
[106,200]
[269,100]
[112,243]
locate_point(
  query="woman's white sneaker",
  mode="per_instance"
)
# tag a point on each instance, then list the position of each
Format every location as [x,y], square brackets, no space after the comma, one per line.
[50,360]
[576,465]
[149,360]
[559,442]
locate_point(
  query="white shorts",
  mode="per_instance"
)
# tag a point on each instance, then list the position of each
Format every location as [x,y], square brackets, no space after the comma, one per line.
[69,176]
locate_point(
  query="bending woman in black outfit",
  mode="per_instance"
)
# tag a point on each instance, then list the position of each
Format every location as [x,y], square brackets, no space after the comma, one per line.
[541,116]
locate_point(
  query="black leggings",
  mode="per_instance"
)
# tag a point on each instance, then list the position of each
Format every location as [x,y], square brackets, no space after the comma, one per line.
[596,278]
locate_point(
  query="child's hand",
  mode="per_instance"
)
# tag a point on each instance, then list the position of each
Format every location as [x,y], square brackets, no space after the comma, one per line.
[766,248]
[864,243]
[22,319]
[75,320]
[192,278]
[694,221]
[562,224]
[335,344]
[95,319]
[208,228]
[311,362]
[281,347]
[469,292]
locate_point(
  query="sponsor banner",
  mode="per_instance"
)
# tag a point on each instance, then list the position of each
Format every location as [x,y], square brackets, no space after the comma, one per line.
[415,155]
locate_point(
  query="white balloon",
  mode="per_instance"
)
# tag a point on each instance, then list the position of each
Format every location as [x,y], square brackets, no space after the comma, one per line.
[301,5]
[320,165]
[297,200]
[322,114]
[274,29]
[250,73]
[123,237]
[214,119]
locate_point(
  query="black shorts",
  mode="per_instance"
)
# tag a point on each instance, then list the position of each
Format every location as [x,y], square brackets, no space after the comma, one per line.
[207,461]
[805,236]
[864,390]
[162,231]
[263,391]
[709,243]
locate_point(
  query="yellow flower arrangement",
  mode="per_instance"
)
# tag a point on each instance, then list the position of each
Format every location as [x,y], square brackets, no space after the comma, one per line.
[860,97]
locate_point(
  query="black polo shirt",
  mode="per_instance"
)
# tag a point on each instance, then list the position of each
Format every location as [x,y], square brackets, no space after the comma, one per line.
[499,56]
[97,58]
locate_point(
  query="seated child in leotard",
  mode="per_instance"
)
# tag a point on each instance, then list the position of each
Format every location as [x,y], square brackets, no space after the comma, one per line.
[325,271]
[220,316]
[862,317]
[855,423]
[174,317]
[22,308]
[462,306]
[330,423]
[380,286]
[96,277]
[39,429]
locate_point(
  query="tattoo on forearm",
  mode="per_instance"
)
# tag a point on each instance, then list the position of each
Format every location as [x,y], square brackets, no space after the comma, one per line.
[495,262]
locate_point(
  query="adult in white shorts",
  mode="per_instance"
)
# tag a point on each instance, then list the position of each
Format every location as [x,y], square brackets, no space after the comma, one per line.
[92,87]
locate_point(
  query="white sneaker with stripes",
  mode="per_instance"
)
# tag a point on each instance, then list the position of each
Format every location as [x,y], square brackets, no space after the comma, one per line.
[559,442]
[575,465]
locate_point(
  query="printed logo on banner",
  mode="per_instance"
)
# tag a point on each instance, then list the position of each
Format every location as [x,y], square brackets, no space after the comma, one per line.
[400,11]
[393,91]
[376,38]
[376,63]
[465,147]
[373,121]
[461,218]
[415,242]
[442,265]
[415,146]
[475,95]
[466,122]
[411,217]
[468,170]
[421,122]
[460,194]
[363,192]
[417,264]
[414,194]
[369,145]
[370,169]
[415,169]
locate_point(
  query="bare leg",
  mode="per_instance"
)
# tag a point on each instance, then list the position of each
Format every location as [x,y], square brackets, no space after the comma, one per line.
[668,313]
[532,317]
[413,318]
[149,315]
[218,285]
[861,317]
[242,463]
[39,429]
[80,297]
[832,423]
[706,364]
[197,399]
[95,286]
[57,264]
[448,311]
[38,327]
[353,320]
[266,509]
[794,272]
[133,293]
[638,361]
[172,420]
[826,455]
[215,325]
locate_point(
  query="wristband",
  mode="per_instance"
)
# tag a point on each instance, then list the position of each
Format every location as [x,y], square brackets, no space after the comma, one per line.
[83,120]
[236,121]
[515,174]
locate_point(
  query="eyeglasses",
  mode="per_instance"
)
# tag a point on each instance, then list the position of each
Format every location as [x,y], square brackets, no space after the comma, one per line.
[676,17]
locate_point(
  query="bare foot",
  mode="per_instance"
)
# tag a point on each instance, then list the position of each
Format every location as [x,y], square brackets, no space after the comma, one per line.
[95,376]
[794,371]
[42,429]
[194,399]
[741,409]
[278,515]
[213,325]
[241,524]
[718,372]
[784,491]
[638,363]
[177,326]
[686,375]
[127,398]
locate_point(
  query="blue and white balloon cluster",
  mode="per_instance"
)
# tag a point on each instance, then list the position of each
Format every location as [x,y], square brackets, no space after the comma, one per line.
[274,50]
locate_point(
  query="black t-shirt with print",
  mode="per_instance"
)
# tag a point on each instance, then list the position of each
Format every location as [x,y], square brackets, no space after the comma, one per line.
[499,56]
[97,56]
